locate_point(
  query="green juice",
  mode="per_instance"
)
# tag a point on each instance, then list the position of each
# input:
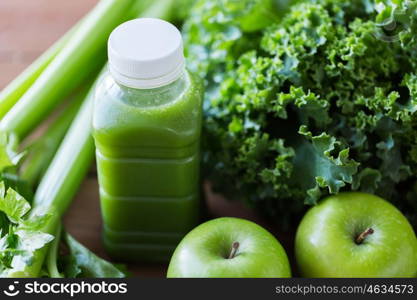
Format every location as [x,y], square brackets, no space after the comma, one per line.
[148,152]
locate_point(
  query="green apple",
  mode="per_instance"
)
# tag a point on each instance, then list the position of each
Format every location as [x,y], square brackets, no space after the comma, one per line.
[355,235]
[229,247]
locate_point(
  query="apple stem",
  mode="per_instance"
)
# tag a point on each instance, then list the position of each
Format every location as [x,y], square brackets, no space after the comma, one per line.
[359,240]
[235,247]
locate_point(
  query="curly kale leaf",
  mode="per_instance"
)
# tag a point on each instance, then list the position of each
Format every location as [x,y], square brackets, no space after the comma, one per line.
[316,167]
[217,32]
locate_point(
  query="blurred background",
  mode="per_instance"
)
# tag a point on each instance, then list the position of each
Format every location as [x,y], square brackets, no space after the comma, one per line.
[29,27]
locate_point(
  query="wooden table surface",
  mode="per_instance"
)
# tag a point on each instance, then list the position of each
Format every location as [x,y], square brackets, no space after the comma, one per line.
[27,29]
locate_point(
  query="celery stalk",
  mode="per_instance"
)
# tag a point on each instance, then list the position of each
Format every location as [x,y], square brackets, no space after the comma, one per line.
[70,164]
[162,9]
[83,53]
[139,6]
[42,150]
[51,259]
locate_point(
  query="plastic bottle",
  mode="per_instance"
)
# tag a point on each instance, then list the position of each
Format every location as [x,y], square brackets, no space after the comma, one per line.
[147,127]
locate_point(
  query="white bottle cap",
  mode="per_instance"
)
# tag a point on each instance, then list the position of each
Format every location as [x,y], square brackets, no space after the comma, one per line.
[146,53]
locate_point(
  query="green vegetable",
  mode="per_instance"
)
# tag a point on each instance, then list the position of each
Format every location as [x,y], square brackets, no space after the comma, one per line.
[313,104]
[172,10]
[52,256]
[83,263]
[219,31]
[41,151]
[83,53]
[78,262]
[163,9]
[70,164]
[9,157]
[21,236]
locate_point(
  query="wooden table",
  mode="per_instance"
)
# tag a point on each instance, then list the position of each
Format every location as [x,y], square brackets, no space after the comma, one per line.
[28,28]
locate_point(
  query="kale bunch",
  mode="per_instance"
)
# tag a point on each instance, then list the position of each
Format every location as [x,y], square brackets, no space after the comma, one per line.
[311,102]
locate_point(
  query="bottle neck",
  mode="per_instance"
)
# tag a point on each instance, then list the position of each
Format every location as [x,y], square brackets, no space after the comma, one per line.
[153,96]
[148,83]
